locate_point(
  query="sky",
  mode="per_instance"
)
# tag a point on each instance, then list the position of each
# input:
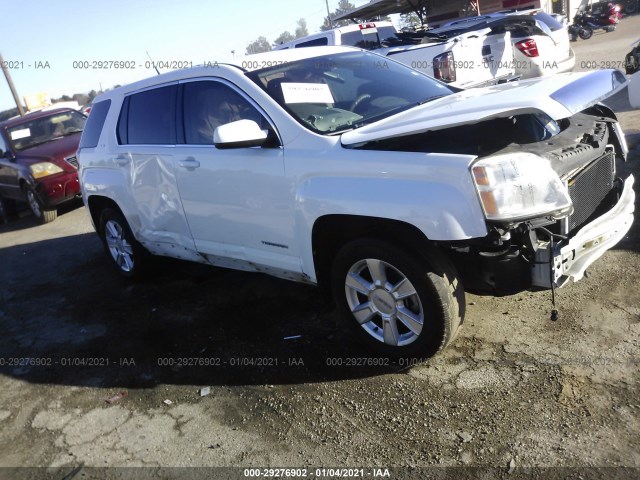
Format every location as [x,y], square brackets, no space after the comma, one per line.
[46,44]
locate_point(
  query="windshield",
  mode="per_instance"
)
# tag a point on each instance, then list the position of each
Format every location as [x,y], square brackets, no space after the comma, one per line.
[44,129]
[334,93]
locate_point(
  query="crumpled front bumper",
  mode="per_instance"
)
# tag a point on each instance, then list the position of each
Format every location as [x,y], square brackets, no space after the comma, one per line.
[572,258]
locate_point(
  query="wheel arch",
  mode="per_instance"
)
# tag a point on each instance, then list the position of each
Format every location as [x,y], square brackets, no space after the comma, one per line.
[97,204]
[331,232]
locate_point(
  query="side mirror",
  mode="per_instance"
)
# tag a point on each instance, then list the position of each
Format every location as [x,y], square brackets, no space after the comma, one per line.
[239,134]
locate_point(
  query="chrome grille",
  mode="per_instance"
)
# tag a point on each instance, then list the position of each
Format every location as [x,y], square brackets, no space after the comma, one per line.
[73,161]
[589,188]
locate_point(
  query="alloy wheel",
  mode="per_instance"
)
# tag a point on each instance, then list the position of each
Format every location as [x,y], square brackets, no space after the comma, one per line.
[33,204]
[384,302]
[119,247]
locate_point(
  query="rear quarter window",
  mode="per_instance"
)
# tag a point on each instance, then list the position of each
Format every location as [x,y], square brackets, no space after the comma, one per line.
[94,125]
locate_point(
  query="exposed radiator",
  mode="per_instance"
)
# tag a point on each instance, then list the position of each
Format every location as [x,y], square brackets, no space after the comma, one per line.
[589,188]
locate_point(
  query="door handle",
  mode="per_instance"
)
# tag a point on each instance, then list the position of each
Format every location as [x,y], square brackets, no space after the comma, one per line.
[189,163]
[122,160]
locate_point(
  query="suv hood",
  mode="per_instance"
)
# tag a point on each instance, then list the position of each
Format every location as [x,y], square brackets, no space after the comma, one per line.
[559,97]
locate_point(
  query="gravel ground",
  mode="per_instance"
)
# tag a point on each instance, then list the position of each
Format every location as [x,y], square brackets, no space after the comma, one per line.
[514,391]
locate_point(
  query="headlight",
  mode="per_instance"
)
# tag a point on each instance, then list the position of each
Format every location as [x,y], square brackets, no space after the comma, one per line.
[39,170]
[518,186]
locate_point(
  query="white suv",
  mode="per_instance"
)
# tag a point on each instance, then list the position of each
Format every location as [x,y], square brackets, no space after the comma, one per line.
[541,44]
[338,167]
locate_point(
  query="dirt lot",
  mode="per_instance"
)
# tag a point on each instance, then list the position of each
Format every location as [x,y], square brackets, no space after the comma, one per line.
[515,390]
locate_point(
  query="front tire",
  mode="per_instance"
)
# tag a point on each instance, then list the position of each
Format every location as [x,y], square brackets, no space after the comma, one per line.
[397,303]
[42,214]
[128,256]
[4,211]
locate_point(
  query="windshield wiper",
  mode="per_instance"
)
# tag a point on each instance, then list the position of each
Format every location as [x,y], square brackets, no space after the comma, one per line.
[385,114]
[65,135]
[31,145]
[341,130]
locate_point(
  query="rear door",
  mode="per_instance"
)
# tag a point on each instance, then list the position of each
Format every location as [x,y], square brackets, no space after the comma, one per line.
[147,133]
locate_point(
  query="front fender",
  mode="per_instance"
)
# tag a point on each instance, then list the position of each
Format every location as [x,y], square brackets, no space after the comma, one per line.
[433,192]
[441,211]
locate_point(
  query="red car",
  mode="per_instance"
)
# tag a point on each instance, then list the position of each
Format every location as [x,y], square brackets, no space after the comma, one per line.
[38,162]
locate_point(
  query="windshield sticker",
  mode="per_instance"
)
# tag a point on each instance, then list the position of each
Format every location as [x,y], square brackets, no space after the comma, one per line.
[22,133]
[307,93]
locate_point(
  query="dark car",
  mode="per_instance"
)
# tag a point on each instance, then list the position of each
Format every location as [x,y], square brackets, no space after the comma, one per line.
[38,161]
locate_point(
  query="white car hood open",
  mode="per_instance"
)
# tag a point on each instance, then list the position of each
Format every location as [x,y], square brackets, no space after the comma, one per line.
[559,97]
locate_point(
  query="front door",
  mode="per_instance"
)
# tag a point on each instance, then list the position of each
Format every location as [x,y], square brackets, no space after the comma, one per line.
[9,182]
[237,201]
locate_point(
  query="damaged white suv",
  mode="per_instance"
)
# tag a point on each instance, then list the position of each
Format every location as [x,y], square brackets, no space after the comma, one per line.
[338,167]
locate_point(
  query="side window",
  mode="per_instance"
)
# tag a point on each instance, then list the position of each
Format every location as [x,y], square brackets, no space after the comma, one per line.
[95,122]
[316,42]
[361,39]
[209,104]
[151,117]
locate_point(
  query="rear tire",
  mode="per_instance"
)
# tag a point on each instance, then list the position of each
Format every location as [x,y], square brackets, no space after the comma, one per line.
[128,256]
[585,33]
[631,7]
[42,214]
[397,302]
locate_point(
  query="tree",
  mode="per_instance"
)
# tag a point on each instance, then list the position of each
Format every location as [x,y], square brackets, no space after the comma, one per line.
[81,98]
[7,114]
[344,6]
[284,37]
[422,9]
[302,31]
[261,44]
[409,20]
